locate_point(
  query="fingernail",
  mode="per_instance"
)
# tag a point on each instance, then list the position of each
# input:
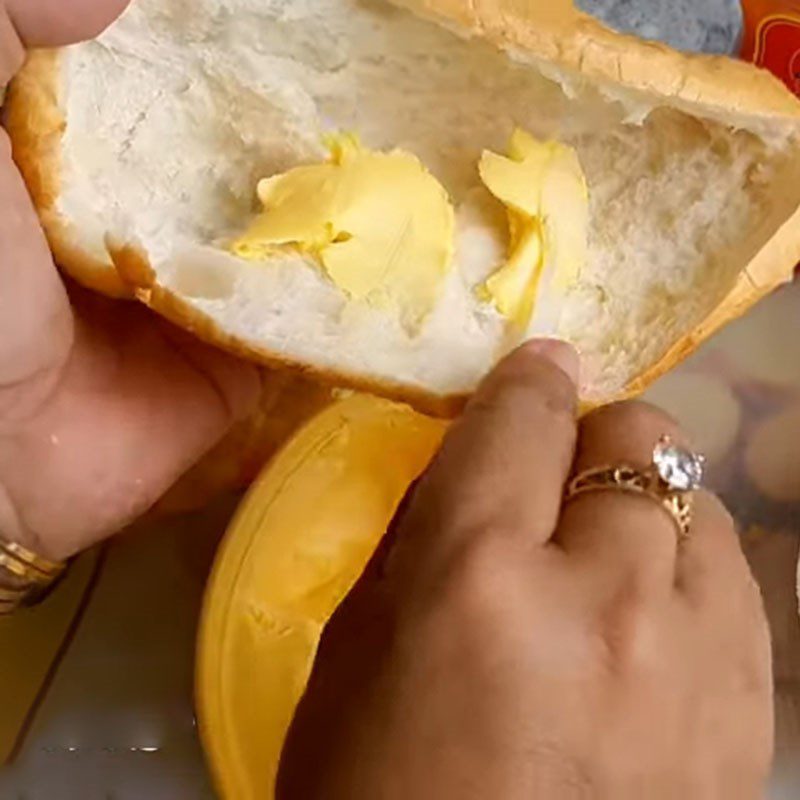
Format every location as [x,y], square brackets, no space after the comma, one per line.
[558,352]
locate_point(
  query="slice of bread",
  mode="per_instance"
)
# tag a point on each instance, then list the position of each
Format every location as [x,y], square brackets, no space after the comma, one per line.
[143,151]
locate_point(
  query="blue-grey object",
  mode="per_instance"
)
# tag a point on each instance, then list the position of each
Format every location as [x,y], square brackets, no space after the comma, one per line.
[710,26]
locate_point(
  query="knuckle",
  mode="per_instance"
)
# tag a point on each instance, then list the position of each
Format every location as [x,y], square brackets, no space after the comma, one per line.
[542,382]
[477,578]
[477,559]
[557,402]
[482,408]
[625,631]
[557,391]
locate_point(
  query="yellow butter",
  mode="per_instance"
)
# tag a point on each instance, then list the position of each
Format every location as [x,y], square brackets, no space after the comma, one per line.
[380,225]
[544,189]
[512,288]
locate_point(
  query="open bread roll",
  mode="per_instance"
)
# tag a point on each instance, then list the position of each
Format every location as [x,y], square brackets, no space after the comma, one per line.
[143,151]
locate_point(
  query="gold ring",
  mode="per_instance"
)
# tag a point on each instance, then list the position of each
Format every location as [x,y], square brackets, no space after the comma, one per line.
[25,577]
[671,479]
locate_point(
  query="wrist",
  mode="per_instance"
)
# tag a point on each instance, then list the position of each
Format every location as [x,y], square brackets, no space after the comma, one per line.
[13,530]
[25,577]
[10,582]
[28,569]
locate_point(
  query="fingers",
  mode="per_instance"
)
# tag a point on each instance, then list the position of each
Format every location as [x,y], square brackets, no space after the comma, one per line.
[711,563]
[50,23]
[503,466]
[616,530]
[237,384]
[132,414]
[36,327]
[12,51]
[624,538]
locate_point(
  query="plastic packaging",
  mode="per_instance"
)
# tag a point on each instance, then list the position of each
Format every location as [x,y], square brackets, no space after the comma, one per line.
[772,38]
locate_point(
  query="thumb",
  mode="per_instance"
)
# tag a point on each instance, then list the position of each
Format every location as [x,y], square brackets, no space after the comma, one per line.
[35,319]
[51,23]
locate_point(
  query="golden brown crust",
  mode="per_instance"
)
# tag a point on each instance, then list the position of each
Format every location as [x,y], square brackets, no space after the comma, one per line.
[36,126]
[773,266]
[556,32]
[132,266]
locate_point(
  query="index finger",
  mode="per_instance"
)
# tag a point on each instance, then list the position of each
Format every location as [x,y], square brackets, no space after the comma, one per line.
[503,466]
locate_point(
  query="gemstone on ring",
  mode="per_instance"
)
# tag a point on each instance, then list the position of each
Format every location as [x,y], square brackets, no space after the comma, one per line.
[679,468]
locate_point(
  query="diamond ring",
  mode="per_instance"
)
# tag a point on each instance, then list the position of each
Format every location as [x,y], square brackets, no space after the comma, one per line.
[673,475]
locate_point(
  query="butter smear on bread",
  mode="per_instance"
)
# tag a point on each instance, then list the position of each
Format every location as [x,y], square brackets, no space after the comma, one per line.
[383,228]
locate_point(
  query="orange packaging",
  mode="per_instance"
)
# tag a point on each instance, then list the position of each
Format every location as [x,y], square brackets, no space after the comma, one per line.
[772,38]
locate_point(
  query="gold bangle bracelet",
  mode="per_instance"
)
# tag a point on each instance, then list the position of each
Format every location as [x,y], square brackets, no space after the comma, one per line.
[25,576]
[10,601]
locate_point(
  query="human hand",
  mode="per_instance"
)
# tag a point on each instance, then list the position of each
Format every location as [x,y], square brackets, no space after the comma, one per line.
[101,407]
[504,646]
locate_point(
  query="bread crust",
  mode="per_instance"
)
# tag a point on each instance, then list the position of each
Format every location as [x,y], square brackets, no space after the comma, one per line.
[771,268]
[35,123]
[556,32]
[716,88]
